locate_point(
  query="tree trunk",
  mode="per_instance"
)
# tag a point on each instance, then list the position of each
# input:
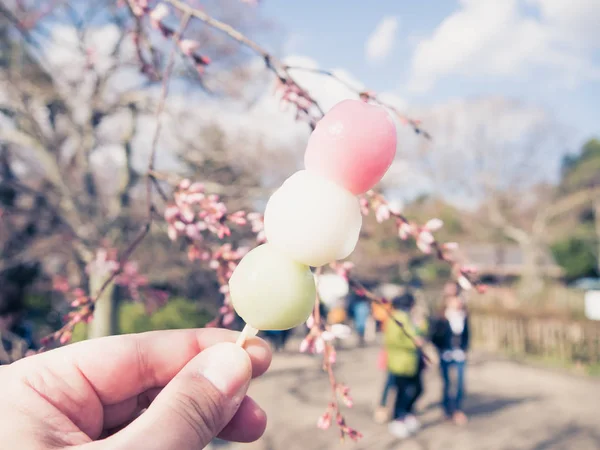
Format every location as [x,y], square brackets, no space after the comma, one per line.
[105,314]
[532,279]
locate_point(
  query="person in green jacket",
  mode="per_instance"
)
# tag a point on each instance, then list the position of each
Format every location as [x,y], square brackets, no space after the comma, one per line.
[403,360]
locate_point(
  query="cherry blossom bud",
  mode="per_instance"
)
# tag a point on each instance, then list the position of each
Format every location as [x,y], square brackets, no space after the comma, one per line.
[188,46]
[332,356]
[158,14]
[324,421]
[171,212]
[404,230]
[364,206]
[310,322]
[481,288]
[424,246]
[187,213]
[305,345]
[464,282]
[192,232]
[348,401]
[65,337]
[185,184]
[383,213]
[434,224]
[228,319]
[319,345]
[450,246]
[179,225]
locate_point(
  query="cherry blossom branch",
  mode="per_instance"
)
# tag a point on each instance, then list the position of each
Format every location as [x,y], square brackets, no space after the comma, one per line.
[366,95]
[307,107]
[320,340]
[423,235]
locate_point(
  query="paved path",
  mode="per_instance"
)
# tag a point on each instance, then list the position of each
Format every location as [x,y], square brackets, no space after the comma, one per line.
[512,407]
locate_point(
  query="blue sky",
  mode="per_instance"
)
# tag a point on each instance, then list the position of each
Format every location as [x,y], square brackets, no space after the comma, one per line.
[545,53]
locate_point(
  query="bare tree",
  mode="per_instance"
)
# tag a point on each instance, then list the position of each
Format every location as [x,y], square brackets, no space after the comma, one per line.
[76,116]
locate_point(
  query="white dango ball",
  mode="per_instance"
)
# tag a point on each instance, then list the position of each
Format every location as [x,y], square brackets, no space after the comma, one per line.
[313,220]
[270,291]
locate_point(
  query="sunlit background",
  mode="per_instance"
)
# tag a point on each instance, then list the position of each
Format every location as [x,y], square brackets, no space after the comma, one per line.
[508,90]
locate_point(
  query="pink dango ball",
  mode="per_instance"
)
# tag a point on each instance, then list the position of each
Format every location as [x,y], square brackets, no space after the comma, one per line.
[354,145]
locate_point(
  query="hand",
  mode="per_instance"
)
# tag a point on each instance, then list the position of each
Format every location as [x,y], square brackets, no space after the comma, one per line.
[91,395]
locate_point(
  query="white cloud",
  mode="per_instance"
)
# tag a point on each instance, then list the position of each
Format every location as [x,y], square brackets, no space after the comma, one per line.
[381,41]
[499,39]
[493,140]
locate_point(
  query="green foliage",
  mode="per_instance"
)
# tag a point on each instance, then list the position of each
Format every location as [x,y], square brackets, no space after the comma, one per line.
[583,170]
[576,256]
[176,314]
[433,272]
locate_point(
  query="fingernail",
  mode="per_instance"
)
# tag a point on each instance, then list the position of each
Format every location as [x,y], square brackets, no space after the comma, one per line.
[227,366]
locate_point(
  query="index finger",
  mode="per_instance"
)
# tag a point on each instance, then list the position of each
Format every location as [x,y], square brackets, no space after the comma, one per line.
[119,367]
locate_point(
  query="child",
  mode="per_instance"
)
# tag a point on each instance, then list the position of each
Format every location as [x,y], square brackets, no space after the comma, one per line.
[451,337]
[403,365]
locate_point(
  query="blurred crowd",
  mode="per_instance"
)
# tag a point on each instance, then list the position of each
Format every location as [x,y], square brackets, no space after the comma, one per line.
[407,325]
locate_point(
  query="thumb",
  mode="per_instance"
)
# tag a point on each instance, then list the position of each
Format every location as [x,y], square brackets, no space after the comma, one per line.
[196,405]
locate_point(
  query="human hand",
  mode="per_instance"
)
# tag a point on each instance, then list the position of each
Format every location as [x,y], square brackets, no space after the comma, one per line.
[90,395]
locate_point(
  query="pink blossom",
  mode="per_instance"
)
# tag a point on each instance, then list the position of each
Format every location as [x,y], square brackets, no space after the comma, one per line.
[310,322]
[425,240]
[158,14]
[184,184]
[171,212]
[364,206]
[319,345]
[172,232]
[404,230]
[305,345]
[228,319]
[332,355]
[464,282]
[188,46]
[450,246]
[434,224]
[324,421]
[383,213]
[348,401]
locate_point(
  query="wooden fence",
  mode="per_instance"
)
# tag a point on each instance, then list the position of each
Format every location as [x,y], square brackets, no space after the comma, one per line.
[556,338]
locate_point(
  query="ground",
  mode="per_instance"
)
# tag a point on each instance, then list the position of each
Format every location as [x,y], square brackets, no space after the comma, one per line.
[511,406]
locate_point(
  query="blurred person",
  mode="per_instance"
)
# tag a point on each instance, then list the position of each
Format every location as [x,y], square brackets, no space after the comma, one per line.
[360,310]
[171,389]
[401,345]
[420,323]
[450,335]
